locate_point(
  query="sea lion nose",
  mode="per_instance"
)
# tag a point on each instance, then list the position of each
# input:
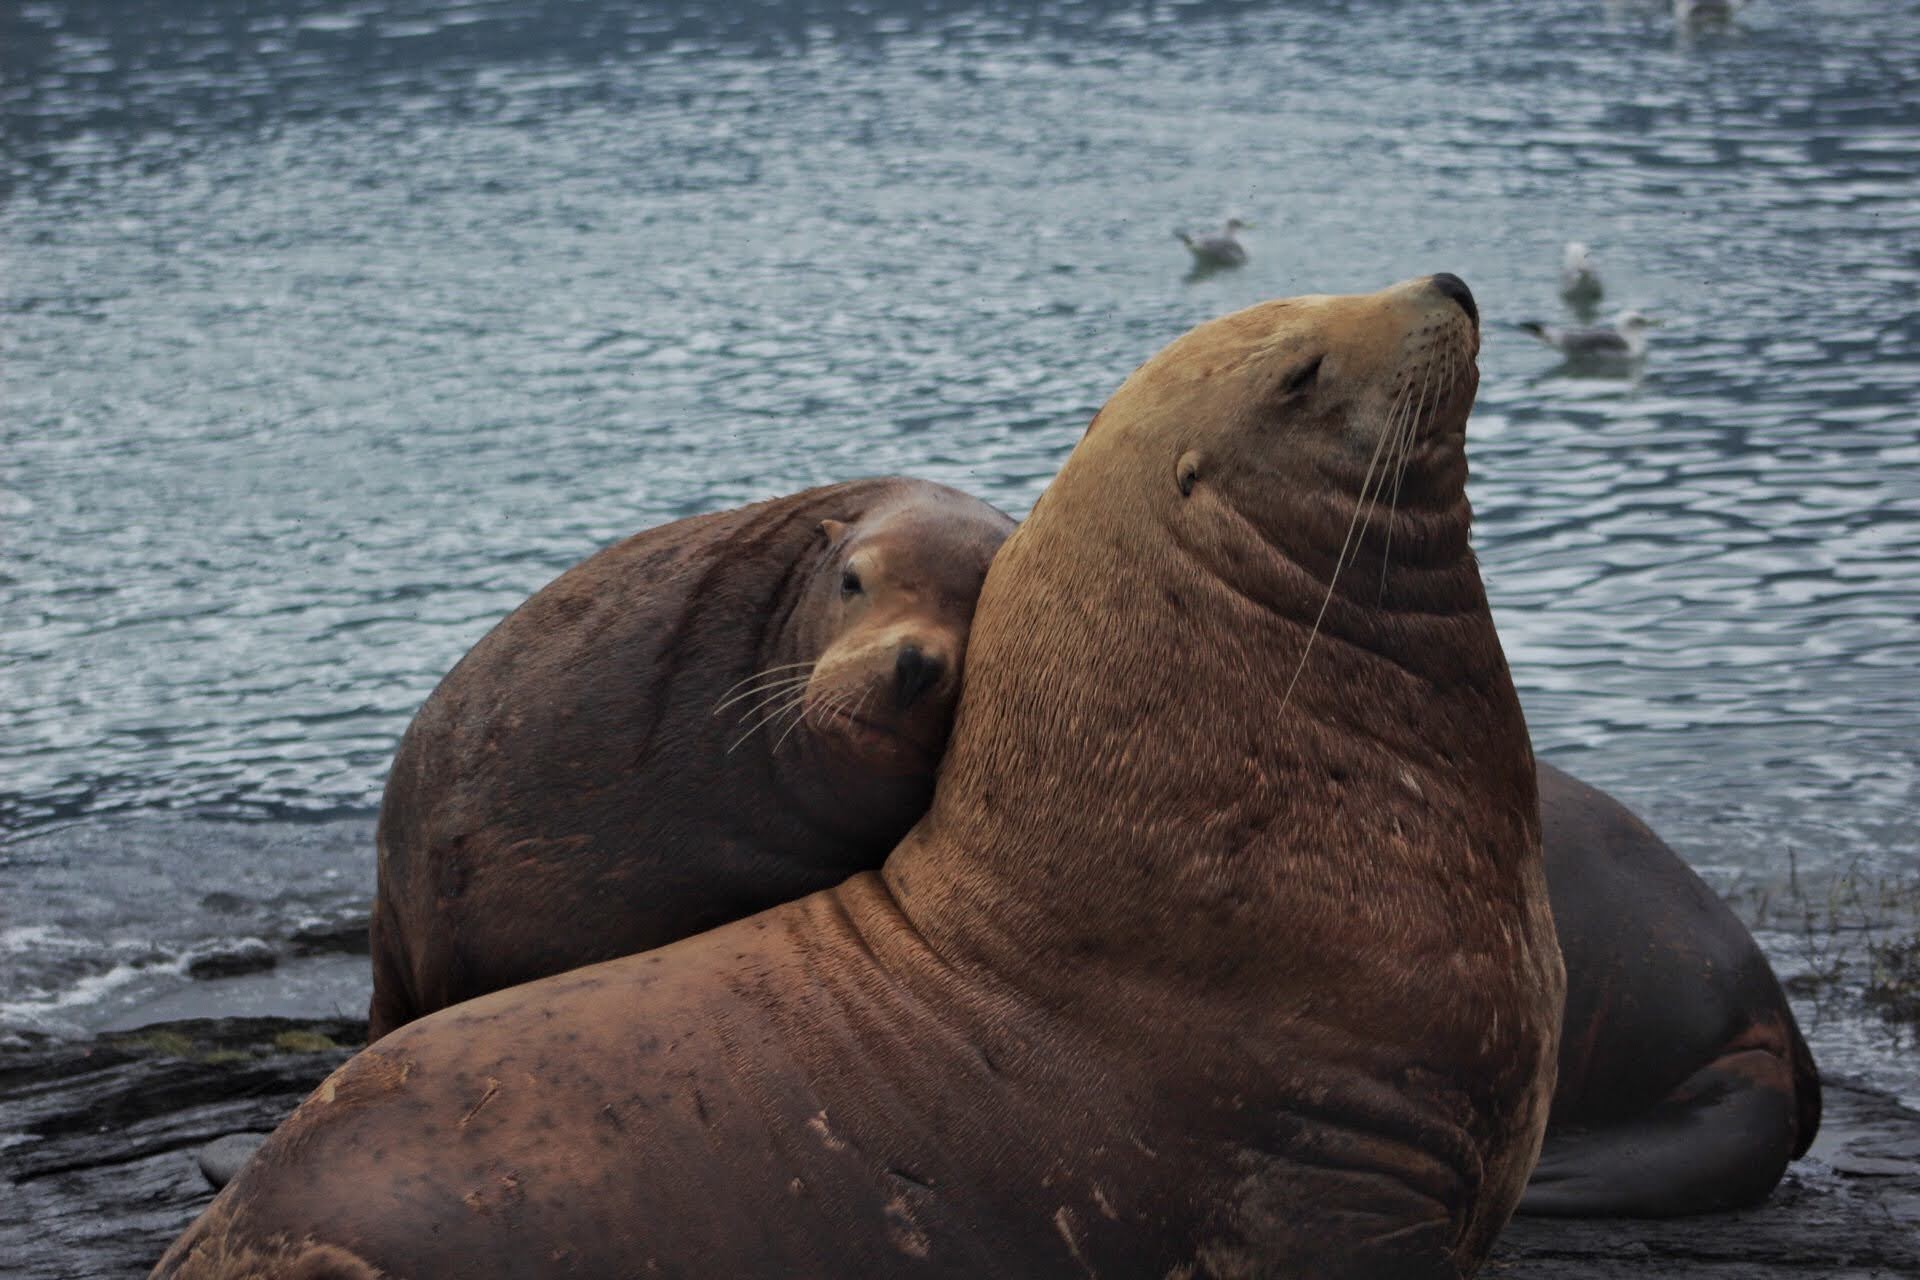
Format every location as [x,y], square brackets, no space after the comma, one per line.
[1452,286]
[914,673]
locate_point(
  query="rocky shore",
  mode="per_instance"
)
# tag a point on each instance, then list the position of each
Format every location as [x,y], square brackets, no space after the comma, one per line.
[99,1138]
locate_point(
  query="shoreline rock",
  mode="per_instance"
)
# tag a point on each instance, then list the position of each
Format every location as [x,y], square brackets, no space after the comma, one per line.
[99,1142]
[99,1138]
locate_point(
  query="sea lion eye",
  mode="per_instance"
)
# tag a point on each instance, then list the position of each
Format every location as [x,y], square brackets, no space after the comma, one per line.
[850,583]
[1302,378]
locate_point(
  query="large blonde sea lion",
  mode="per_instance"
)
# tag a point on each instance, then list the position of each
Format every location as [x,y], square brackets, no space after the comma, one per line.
[1224,949]
[706,719]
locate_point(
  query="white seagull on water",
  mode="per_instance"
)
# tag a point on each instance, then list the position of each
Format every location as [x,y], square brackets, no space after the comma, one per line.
[1624,341]
[1580,286]
[1217,249]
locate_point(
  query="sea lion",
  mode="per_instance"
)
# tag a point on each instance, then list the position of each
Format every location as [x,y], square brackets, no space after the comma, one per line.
[1684,1083]
[1663,980]
[711,717]
[1223,950]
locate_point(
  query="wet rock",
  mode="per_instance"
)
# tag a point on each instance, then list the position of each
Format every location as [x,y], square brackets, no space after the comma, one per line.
[98,1137]
[99,1142]
[332,937]
[249,955]
[221,1159]
[1849,1209]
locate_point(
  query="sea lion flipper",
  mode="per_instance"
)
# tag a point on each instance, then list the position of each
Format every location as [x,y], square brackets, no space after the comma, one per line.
[1719,1141]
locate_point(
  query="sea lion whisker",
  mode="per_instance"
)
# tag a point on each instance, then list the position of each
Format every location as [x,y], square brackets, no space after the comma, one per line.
[832,705]
[798,720]
[1397,413]
[774,716]
[768,707]
[774,690]
[763,680]
[1409,428]
[1339,561]
[757,697]
[763,698]
[798,700]
[765,672]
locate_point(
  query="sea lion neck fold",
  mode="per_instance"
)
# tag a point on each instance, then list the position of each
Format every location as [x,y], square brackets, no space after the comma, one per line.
[1207,518]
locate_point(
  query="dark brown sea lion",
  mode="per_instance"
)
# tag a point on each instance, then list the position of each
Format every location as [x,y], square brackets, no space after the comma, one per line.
[1224,949]
[1685,1085]
[706,719]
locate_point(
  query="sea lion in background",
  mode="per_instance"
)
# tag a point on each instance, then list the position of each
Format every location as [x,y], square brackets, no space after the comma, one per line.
[1685,1086]
[708,718]
[1223,950]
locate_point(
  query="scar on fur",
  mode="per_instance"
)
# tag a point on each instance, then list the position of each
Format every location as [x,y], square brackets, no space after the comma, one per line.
[828,1138]
[1063,1222]
[493,1087]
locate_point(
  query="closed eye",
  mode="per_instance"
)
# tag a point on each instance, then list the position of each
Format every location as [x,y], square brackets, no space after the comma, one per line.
[1302,378]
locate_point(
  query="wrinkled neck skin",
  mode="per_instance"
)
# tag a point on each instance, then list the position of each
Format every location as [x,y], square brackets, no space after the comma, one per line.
[1208,852]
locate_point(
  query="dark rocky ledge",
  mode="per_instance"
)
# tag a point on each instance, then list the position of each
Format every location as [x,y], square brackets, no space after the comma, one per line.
[98,1140]
[98,1137]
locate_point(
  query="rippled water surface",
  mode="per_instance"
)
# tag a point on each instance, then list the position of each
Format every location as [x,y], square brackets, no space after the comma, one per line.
[328,331]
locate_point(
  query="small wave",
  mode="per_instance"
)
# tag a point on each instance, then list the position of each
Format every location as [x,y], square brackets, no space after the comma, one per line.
[40,1010]
[22,939]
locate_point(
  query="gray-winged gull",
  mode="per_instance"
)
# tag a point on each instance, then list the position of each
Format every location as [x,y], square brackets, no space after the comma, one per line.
[1624,340]
[1220,248]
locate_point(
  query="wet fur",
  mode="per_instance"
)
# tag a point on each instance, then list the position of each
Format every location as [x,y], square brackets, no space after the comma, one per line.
[619,762]
[1685,1085]
[1180,975]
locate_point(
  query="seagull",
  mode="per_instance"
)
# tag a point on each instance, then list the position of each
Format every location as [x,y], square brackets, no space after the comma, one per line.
[1580,285]
[1694,14]
[1219,249]
[1623,342]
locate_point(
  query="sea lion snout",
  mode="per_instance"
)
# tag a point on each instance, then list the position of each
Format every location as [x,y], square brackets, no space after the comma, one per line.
[915,672]
[888,682]
[1448,285]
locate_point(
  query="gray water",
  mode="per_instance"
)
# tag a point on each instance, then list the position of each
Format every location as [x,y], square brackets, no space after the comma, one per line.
[332,330]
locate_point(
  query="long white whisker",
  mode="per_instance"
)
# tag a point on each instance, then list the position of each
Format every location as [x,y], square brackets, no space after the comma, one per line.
[798,700]
[758,676]
[797,722]
[1333,579]
[781,682]
[771,696]
[1396,414]
[1408,430]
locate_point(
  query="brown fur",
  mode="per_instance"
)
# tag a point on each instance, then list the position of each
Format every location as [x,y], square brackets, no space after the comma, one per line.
[228,1258]
[1179,975]
[1685,1085]
[590,782]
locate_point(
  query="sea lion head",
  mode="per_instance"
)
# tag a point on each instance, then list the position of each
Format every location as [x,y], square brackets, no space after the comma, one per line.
[1290,410]
[1251,580]
[896,589]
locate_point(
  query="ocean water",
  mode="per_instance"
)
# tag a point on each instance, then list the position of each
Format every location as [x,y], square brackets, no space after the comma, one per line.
[330,329]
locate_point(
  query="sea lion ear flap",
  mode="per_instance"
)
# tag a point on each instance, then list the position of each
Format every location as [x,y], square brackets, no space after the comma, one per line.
[1187,471]
[834,530]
